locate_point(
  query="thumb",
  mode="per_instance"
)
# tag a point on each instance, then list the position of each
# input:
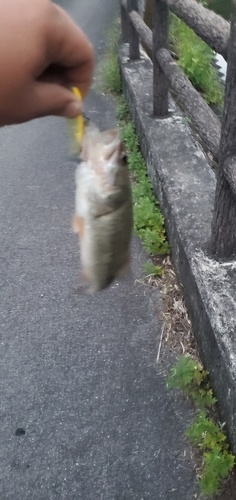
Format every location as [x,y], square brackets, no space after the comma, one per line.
[53,99]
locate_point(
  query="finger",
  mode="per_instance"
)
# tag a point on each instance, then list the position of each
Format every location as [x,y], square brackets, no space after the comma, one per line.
[68,47]
[54,99]
[43,99]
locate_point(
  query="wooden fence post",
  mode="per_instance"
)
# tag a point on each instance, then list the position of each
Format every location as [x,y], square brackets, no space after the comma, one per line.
[160,40]
[223,240]
[124,24]
[133,35]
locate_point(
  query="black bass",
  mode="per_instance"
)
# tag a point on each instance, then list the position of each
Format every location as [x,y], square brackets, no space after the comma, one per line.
[103,208]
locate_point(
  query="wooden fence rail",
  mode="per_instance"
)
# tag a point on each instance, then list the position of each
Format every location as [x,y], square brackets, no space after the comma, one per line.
[216,32]
[211,27]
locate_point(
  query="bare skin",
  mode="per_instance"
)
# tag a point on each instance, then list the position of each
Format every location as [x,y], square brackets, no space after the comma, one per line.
[42,54]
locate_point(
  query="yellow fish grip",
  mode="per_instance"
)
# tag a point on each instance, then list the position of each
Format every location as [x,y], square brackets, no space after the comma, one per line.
[76,128]
[80,119]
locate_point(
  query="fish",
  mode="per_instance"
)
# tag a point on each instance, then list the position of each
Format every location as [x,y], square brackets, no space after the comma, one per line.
[103,208]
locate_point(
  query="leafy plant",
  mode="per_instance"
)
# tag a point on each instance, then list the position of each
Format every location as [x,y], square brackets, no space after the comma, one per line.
[217,461]
[217,465]
[204,433]
[189,376]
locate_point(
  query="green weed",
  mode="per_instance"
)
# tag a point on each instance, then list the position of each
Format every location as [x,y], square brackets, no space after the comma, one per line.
[109,73]
[217,465]
[122,110]
[148,219]
[195,58]
[217,461]
[204,433]
[152,270]
[189,376]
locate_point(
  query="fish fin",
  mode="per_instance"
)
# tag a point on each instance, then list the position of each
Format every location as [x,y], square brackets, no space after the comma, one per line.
[78,225]
[108,204]
[116,199]
[99,205]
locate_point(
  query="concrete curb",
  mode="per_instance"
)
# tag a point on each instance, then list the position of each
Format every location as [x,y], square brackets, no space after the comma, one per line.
[184,185]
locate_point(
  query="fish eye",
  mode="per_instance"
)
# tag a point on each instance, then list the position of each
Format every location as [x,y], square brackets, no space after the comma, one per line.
[124,157]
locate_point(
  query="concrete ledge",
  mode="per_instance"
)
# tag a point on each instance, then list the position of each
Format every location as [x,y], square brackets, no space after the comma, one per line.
[184,185]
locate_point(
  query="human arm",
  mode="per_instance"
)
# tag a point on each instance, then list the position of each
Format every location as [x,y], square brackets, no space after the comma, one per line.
[42,54]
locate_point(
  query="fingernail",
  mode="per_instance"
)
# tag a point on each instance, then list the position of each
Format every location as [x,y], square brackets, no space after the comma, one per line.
[73,109]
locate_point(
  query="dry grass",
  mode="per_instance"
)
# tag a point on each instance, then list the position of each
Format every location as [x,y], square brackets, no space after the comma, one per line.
[177,330]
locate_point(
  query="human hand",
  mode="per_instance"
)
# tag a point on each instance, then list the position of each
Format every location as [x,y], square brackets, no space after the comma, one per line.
[42,54]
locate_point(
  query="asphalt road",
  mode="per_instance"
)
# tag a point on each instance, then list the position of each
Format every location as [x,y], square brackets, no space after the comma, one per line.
[84,409]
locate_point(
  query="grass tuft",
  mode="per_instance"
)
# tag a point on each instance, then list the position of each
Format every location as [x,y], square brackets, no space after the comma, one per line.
[206,435]
[152,270]
[109,73]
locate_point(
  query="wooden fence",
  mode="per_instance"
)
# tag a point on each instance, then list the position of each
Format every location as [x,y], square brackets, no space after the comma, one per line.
[167,75]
